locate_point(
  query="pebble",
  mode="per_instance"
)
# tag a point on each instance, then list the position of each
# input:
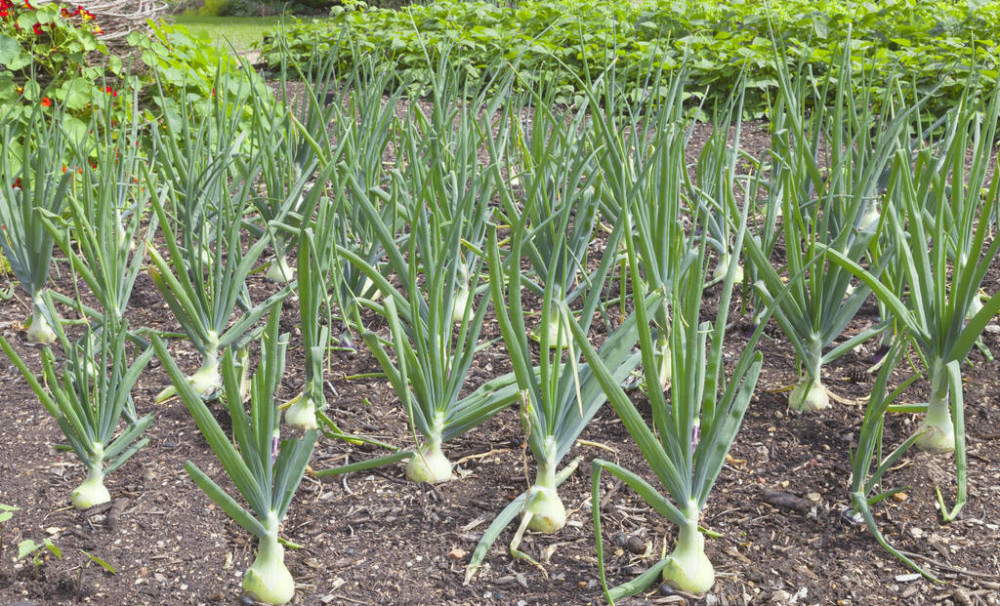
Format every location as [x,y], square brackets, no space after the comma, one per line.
[636,545]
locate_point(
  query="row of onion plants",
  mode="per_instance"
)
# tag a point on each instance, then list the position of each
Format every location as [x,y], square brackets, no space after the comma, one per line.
[492,203]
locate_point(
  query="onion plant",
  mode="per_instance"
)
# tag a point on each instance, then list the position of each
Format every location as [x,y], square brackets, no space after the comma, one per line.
[557,198]
[202,276]
[562,396]
[436,317]
[866,487]
[88,395]
[285,182]
[197,161]
[831,209]
[265,469]
[934,311]
[31,182]
[315,256]
[317,216]
[431,364]
[296,146]
[203,292]
[690,433]
[104,232]
[366,128]
[643,166]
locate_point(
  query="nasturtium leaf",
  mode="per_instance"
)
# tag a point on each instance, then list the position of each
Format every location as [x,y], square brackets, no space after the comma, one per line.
[75,129]
[76,93]
[27,21]
[12,56]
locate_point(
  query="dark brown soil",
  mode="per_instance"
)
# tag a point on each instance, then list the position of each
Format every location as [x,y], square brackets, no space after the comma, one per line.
[375,538]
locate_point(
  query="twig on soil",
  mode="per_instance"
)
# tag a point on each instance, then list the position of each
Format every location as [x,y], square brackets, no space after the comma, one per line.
[783,500]
[482,455]
[597,445]
[611,493]
[949,567]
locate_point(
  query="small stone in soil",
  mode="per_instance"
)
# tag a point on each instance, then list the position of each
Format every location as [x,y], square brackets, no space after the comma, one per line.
[636,545]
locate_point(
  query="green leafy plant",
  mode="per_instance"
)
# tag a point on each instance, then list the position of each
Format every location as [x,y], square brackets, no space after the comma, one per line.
[833,206]
[203,275]
[690,434]
[265,469]
[937,45]
[6,513]
[30,183]
[192,76]
[106,227]
[445,201]
[926,196]
[36,551]
[88,397]
[46,59]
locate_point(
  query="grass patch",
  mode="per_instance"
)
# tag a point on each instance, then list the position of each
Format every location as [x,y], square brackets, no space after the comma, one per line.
[241,32]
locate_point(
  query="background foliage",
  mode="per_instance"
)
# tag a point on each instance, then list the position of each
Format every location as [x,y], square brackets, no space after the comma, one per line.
[927,43]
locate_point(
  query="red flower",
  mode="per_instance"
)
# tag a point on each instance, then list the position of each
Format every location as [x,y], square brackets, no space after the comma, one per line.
[17,184]
[38,29]
[46,102]
[111,91]
[28,6]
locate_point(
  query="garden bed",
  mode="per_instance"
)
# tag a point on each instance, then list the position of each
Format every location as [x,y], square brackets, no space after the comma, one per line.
[376,538]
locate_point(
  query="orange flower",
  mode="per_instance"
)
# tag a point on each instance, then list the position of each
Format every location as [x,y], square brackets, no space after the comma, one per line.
[46,102]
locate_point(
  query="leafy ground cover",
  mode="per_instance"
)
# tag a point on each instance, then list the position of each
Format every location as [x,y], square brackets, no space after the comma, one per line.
[931,44]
